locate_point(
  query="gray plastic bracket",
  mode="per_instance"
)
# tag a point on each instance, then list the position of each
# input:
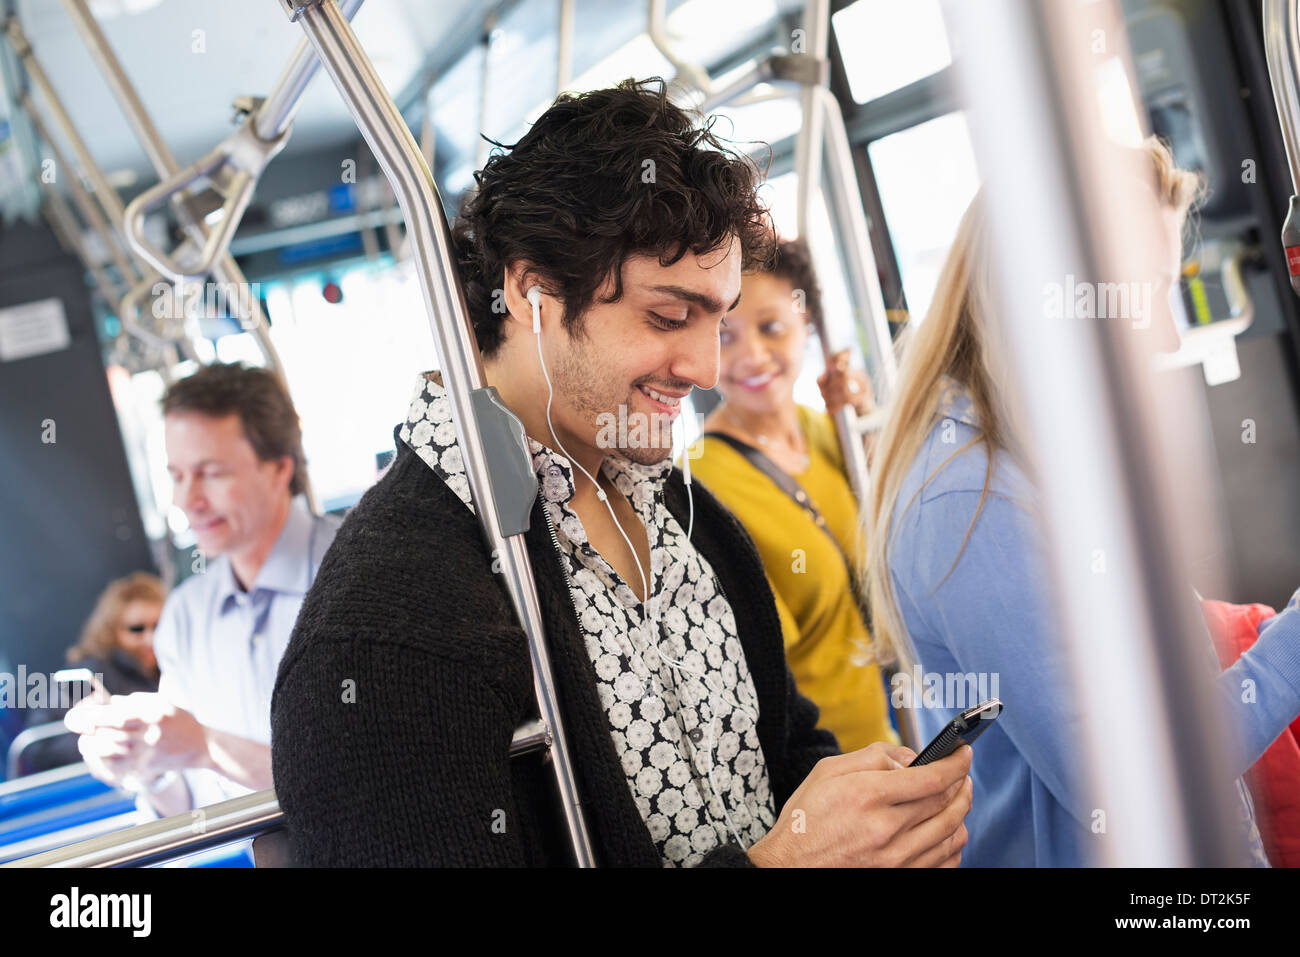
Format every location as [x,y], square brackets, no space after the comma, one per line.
[509,463]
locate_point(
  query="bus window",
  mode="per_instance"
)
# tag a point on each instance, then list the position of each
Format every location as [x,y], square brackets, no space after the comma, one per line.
[893,44]
[927,178]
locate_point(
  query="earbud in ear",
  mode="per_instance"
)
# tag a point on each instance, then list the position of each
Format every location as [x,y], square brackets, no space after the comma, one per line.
[534,295]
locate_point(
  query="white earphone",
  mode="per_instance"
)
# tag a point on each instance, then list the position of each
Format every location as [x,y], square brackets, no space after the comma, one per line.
[534,296]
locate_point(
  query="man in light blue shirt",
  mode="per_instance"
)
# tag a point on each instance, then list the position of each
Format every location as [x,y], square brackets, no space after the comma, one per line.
[234,452]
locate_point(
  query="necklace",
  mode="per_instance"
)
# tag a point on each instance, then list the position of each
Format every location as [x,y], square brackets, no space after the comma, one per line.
[804,459]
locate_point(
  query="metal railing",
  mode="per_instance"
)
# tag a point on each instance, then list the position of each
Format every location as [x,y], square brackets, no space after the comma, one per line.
[822,140]
[213,826]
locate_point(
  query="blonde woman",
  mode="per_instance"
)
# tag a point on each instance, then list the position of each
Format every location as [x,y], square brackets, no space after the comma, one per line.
[954,571]
[117,640]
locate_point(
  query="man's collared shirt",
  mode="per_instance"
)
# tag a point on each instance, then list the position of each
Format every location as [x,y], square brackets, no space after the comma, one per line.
[219,646]
[672,676]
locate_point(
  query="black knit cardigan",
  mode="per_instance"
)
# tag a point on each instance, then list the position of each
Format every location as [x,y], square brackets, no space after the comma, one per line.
[407,674]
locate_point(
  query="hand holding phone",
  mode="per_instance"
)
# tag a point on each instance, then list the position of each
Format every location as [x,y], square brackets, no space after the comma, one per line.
[963,729]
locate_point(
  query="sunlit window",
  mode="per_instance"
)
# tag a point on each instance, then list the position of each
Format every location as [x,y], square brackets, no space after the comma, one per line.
[350,367]
[887,44]
[927,177]
[780,195]
[455,100]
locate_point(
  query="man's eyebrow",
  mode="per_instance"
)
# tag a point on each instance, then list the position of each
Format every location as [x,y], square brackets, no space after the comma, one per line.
[704,301]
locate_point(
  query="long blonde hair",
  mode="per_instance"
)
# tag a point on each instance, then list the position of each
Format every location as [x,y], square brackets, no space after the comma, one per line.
[955,341]
[99,635]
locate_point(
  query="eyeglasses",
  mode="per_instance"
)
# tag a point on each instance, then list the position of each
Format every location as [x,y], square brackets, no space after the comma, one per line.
[140,629]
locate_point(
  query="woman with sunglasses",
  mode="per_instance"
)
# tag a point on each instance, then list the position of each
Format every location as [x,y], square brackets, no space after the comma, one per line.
[117,640]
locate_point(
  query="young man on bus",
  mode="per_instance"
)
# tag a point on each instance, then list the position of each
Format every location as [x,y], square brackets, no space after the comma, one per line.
[408,673]
[234,451]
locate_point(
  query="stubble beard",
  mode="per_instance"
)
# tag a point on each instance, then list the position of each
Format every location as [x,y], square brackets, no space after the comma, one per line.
[591,399]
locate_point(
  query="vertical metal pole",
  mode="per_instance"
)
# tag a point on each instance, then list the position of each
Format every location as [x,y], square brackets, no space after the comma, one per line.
[823,127]
[103,192]
[808,167]
[1061,208]
[564,50]
[398,154]
[81,196]
[68,230]
[1282,48]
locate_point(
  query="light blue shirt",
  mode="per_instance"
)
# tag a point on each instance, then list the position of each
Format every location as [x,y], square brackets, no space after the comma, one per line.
[218,647]
[988,612]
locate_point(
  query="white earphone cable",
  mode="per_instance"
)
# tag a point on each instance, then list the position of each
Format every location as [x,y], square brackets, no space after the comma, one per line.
[534,296]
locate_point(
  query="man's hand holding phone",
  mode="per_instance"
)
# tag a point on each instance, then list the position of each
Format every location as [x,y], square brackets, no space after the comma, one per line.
[135,738]
[868,809]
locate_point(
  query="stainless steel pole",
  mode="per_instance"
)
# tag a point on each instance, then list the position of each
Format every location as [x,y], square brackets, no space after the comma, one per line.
[564,49]
[86,205]
[1282,49]
[471,400]
[66,227]
[808,168]
[1059,208]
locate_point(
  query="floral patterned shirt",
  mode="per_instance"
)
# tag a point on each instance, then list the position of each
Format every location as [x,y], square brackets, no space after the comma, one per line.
[671,674]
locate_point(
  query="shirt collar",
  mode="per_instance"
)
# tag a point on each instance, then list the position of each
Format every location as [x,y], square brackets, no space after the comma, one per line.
[286,568]
[430,433]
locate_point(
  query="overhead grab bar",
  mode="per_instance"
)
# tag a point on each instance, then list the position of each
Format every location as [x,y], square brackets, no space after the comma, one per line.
[233,168]
[657,30]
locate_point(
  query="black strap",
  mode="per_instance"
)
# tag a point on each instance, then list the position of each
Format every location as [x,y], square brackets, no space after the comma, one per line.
[786,483]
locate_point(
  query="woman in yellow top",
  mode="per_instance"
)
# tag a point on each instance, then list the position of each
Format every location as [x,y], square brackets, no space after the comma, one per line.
[826,640]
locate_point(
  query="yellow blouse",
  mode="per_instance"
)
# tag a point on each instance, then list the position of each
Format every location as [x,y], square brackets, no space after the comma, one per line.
[826,640]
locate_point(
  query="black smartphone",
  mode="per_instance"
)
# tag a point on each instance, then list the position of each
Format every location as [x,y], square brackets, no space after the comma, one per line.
[963,729]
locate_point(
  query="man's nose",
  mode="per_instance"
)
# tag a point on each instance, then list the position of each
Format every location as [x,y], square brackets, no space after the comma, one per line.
[188,494]
[697,362]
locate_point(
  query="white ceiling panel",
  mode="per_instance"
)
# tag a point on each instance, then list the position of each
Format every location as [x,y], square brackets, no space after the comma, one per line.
[189,60]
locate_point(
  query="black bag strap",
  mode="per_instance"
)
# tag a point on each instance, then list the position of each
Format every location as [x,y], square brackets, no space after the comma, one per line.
[786,483]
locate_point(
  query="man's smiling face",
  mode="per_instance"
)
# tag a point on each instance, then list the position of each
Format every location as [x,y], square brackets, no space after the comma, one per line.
[643,353]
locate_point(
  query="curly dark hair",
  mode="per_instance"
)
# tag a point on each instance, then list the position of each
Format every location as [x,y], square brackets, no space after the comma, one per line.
[264,408]
[793,263]
[599,177]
